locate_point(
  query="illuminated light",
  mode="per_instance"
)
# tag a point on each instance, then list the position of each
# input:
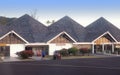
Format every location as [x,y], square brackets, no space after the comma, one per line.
[3,44]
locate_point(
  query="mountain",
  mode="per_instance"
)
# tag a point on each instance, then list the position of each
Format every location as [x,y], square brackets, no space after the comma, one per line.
[5,20]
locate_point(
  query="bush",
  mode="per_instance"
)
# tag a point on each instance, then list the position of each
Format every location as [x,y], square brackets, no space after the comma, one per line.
[72,51]
[25,54]
[64,52]
[84,50]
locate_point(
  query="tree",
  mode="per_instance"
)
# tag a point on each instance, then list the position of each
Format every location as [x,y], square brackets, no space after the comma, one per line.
[72,51]
[50,22]
[25,54]
[34,14]
[53,21]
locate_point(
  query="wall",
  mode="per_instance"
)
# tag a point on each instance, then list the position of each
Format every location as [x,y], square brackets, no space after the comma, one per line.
[54,47]
[16,48]
[89,46]
[12,39]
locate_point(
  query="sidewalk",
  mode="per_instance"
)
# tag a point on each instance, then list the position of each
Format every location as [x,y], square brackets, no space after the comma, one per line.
[13,59]
[10,59]
[35,58]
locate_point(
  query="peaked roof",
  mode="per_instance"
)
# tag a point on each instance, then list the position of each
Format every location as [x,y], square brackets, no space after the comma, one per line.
[107,35]
[99,27]
[29,28]
[74,29]
[3,25]
[5,20]
[3,30]
[33,31]
[61,34]
[15,34]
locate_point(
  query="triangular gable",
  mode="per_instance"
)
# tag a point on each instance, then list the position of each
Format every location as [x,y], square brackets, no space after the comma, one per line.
[104,35]
[60,35]
[15,34]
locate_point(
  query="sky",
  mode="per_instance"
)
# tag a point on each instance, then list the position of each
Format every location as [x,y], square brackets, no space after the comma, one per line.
[82,11]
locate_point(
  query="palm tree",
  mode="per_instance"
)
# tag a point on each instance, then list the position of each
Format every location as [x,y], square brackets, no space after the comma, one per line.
[50,22]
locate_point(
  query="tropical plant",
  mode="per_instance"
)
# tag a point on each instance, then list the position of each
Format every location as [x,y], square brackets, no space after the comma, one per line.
[84,51]
[64,52]
[72,51]
[25,54]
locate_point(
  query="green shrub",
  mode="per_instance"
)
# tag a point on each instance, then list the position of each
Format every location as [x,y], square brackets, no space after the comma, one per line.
[25,54]
[84,51]
[72,51]
[64,52]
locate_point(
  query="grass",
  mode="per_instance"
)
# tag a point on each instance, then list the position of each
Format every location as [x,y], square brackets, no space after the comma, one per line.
[75,57]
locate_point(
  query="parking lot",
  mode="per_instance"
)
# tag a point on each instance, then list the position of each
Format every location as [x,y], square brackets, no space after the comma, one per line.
[83,66]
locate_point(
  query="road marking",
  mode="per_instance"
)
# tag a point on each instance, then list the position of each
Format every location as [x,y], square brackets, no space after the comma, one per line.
[60,65]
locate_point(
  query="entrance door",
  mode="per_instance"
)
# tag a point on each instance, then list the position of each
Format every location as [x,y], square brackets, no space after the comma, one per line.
[38,49]
[108,49]
[5,50]
[98,48]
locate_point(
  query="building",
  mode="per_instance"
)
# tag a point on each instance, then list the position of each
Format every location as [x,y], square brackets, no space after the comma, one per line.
[26,33]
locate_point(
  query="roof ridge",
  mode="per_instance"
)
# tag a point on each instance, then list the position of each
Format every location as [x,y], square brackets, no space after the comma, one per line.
[99,21]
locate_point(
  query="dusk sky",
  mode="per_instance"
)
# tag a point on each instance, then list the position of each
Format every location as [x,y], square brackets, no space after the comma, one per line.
[82,11]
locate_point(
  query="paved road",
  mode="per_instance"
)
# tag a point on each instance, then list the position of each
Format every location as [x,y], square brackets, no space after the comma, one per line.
[91,66]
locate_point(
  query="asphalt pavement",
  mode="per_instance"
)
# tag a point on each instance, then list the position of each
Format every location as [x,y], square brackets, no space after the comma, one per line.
[87,66]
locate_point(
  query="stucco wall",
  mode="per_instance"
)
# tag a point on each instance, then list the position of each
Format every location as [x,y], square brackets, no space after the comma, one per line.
[16,48]
[83,46]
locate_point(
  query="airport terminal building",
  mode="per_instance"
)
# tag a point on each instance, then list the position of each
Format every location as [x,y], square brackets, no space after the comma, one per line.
[26,33]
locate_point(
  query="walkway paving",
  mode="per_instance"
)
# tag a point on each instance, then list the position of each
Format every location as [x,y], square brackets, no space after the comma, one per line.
[34,58]
[13,59]
[10,59]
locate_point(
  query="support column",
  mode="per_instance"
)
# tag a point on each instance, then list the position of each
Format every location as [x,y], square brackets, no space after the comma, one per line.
[112,48]
[93,51]
[103,50]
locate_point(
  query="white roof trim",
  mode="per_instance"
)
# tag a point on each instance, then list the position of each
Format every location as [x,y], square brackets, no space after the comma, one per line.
[33,44]
[15,34]
[83,43]
[105,34]
[59,35]
[116,42]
